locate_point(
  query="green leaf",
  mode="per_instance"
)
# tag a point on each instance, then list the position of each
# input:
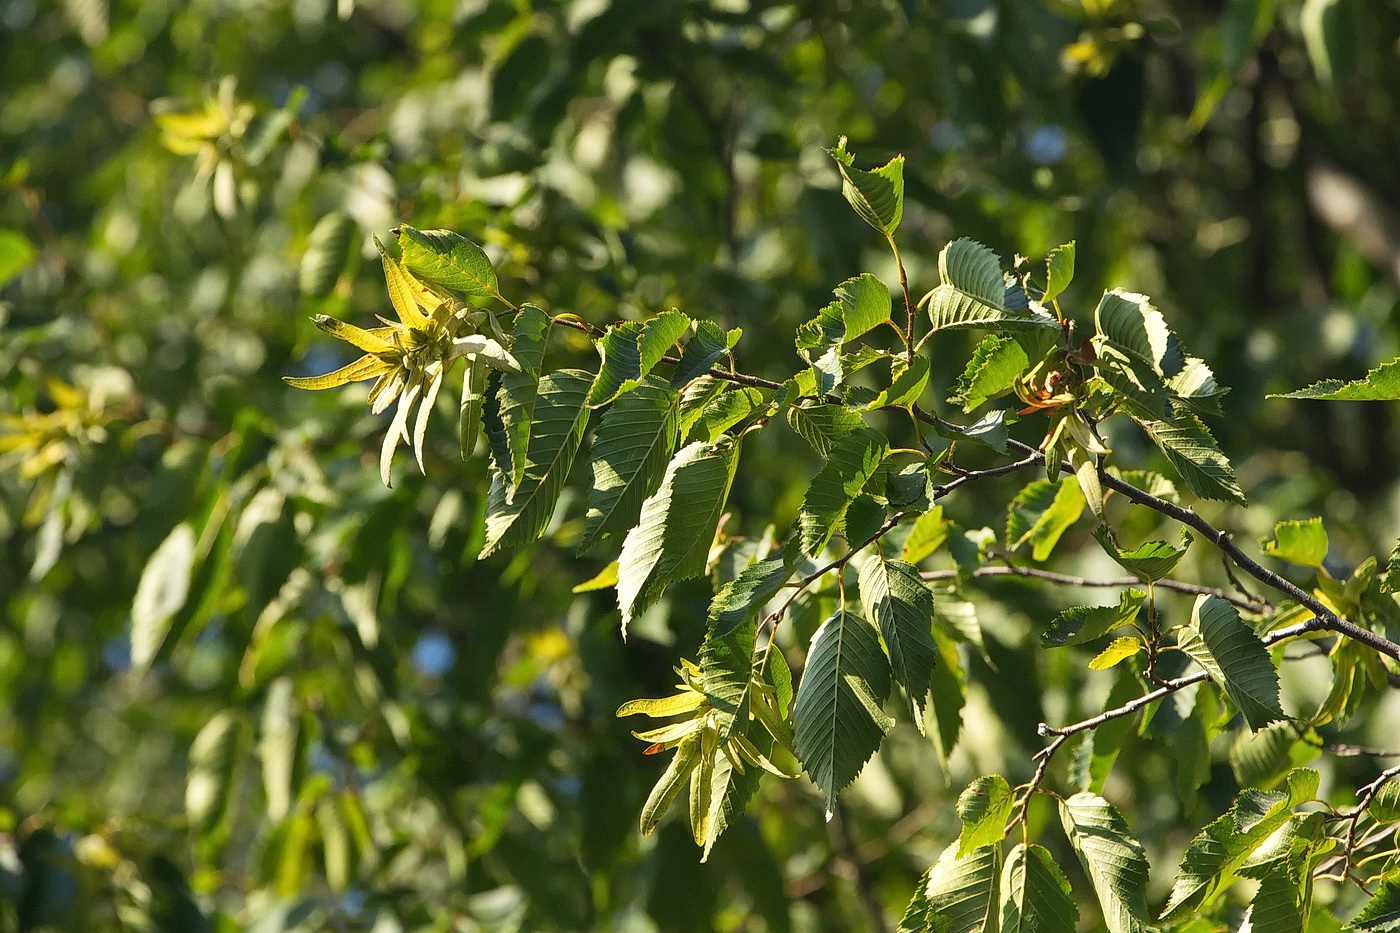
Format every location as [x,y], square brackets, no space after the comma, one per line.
[702,350]
[990,429]
[1382,912]
[927,535]
[896,599]
[677,526]
[992,371]
[740,598]
[837,719]
[1086,623]
[1100,748]
[1303,543]
[327,250]
[973,292]
[1139,390]
[519,390]
[1036,896]
[726,670]
[161,592]
[1059,270]
[1131,324]
[213,777]
[1381,384]
[1197,458]
[822,425]
[1275,907]
[673,779]
[727,409]
[1113,858]
[1261,759]
[877,195]
[1235,658]
[1040,513]
[1196,386]
[560,418]
[1149,562]
[862,303]
[1385,806]
[636,438]
[719,792]
[984,807]
[1118,651]
[629,352]
[852,461]
[906,385]
[476,377]
[1214,858]
[448,259]
[947,697]
[16,252]
[959,894]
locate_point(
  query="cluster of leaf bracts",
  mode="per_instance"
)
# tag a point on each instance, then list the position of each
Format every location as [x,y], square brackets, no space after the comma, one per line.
[730,726]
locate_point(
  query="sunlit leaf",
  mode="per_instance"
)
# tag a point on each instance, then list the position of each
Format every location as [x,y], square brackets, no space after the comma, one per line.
[1118,651]
[702,350]
[160,593]
[1194,453]
[1041,513]
[1113,858]
[1129,322]
[519,390]
[1086,623]
[1382,384]
[992,371]
[822,426]
[1036,896]
[877,195]
[214,764]
[448,259]
[1382,912]
[1149,562]
[984,807]
[672,538]
[959,894]
[742,597]
[630,350]
[897,600]
[1303,542]
[636,438]
[1235,658]
[1059,270]
[851,463]
[973,292]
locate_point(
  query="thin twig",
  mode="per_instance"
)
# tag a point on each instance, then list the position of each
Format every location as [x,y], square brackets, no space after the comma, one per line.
[1254,605]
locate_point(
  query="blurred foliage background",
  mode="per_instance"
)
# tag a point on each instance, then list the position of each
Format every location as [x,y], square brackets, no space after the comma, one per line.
[344,722]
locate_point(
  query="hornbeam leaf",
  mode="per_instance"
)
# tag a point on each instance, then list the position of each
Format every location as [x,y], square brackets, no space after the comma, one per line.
[877,195]
[727,409]
[1261,759]
[630,350]
[973,292]
[822,425]
[1381,384]
[1118,651]
[706,345]
[991,372]
[677,526]
[959,894]
[448,259]
[560,417]
[475,377]
[1086,623]
[637,436]
[1196,386]
[1036,896]
[746,594]
[896,598]
[1385,806]
[852,461]
[1303,543]
[672,780]
[946,697]
[1140,391]
[729,790]
[1214,858]
[1059,270]
[1149,562]
[1235,658]
[726,670]
[1130,323]
[1040,513]
[861,304]
[984,807]
[519,390]
[1113,858]
[1382,912]
[1275,907]
[1192,450]
[837,719]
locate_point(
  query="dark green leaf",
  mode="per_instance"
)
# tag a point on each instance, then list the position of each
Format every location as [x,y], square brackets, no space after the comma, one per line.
[1385,806]
[705,347]
[959,894]
[519,390]
[1235,658]
[837,719]
[1086,623]
[1193,452]
[672,538]
[636,438]
[1113,858]
[852,461]
[947,697]
[822,426]
[739,599]
[475,379]
[1275,907]
[727,409]
[1261,759]
[327,250]
[630,350]
[1382,912]
[1036,896]
[448,259]
[896,598]
[1149,562]
[726,670]
[560,417]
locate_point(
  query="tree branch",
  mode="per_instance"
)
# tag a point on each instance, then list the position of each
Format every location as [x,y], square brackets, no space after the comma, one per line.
[1249,604]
